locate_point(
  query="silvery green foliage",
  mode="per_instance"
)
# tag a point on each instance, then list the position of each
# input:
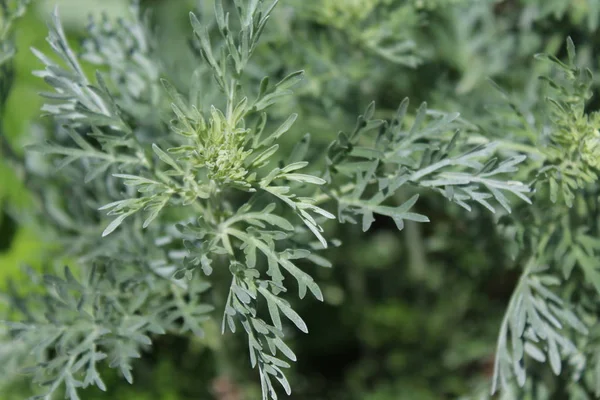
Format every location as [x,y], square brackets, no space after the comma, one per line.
[150,209]
[553,310]
[192,168]
[127,48]
[370,25]
[106,316]
[535,316]
[427,153]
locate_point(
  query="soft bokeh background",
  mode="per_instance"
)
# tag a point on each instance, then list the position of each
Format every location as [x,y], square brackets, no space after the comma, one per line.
[411,315]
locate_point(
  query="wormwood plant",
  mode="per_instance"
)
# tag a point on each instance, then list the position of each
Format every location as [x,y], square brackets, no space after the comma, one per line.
[550,317]
[175,204]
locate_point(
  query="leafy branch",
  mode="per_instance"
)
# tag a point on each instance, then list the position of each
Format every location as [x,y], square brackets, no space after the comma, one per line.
[535,325]
[423,154]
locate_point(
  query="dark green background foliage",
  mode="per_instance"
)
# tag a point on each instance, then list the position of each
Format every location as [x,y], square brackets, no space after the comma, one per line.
[461,227]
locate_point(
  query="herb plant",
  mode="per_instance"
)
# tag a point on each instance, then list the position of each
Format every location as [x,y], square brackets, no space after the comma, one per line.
[175,198]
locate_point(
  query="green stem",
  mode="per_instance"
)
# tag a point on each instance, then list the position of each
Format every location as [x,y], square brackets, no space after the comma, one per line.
[325,197]
[429,170]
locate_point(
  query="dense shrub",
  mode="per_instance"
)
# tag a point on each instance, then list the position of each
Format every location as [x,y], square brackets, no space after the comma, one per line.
[251,179]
